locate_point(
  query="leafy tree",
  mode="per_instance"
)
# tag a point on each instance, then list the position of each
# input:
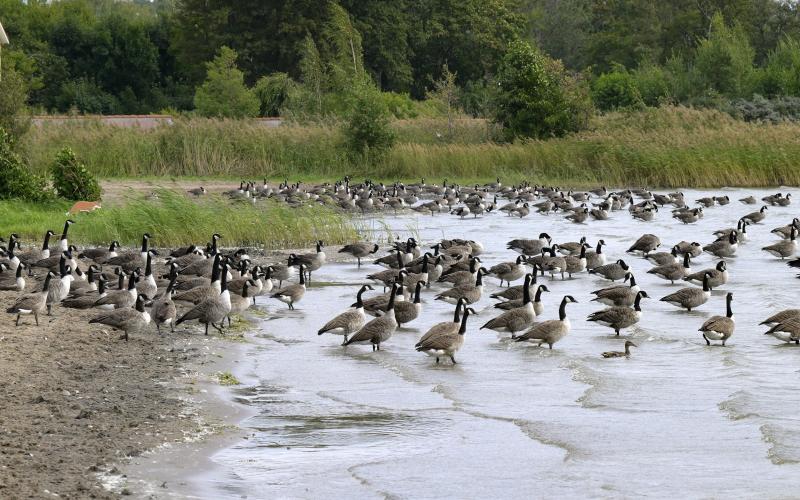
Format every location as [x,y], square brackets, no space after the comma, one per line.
[13,111]
[723,62]
[536,96]
[615,90]
[782,71]
[652,83]
[367,132]
[224,94]
[445,94]
[273,91]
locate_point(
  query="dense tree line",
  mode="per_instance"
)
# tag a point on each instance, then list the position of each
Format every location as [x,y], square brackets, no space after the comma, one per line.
[102,56]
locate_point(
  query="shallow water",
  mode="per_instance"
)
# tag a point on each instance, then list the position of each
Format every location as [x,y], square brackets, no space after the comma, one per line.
[676,419]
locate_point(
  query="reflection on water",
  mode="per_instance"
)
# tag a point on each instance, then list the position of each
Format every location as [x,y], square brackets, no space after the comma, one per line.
[676,419]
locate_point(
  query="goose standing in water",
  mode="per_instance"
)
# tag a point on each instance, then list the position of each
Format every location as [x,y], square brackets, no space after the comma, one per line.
[618,295]
[292,293]
[614,271]
[690,298]
[724,247]
[446,342]
[717,276]
[618,317]
[780,317]
[360,250]
[32,303]
[349,321]
[786,331]
[378,330]
[538,308]
[470,293]
[756,217]
[518,319]
[673,272]
[509,271]
[645,244]
[719,327]
[620,354]
[784,248]
[406,312]
[550,332]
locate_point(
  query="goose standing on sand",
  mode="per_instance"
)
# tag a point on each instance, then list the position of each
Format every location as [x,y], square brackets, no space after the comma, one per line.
[123,298]
[147,285]
[550,332]
[378,330]
[100,255]
[672,272]
[717,276]
[59,288]
[719,327]
[360,250]
[292,293]
[164,311]
[32,303]
[212,311]
[518,319]
[784,248]
[614,271]
[620,354]
[14,281]
[349,321]
[127,320]
[690,298]
[86,300]
[619,318]
[35,254]
[131,258]
[446,342]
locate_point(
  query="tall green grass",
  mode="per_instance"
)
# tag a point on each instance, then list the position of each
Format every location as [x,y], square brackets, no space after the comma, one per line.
[664,147]
[175,220]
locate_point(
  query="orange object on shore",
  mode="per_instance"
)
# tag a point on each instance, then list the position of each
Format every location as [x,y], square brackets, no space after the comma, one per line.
[83,207]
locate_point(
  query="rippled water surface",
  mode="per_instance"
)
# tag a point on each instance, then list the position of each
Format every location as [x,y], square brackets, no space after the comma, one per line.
[676,419]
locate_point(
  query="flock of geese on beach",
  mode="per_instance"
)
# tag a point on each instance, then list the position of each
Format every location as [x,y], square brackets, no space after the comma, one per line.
[205,283]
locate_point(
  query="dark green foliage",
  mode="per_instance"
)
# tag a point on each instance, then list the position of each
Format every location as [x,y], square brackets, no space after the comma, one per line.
[759,109]
[615,90]
[367,131]
[71,180]
[16,180]
[536,96]
[272,92]
[13,112]
[223,94]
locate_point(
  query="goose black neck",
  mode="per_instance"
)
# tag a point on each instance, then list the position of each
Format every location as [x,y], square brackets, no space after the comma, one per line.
[391,298]
[46,285]
[148,267]
[425,264]
[479,278]
[359,302]
[302,276]
[46,243]
[526,291]
[224,284]
[144,244]
[215,269]
[706,288]
[463,329]
[562,310]
[64,232]
[140,305]
[599,249]
[417,291]
[19,271]
[121,281]
[457,314]
[111,247]
[686,260]
[90,277]
[400,264]
[132,281]
[101,287]
[62,265]
[637,303]
[729,312]
[583,252]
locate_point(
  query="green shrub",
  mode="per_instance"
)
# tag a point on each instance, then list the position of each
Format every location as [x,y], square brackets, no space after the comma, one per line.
[723,62]
[537,97]
[223,94]
[16,180]
[71,180]
[782,70]
[13,96]
[615,90]
[367,131]
[652,83]
[401,106]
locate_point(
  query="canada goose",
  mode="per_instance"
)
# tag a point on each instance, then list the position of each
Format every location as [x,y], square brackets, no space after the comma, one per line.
[461,211]
[553,263]
[579,216]
[690,298]
[694,248]
[100,255]
[411,279]
[14,281]
[59,288]
[130,258]
[530,247]
[147,285]
[509,271]
[240,303]
[406,312]
[32,303]
[63,244]
[645,244]
[446,341]
[750,200]
[205,289]
[783,201]
[784,248]
[312,261]
[572,247]
[756,217]
[787,331]
[86,299]
[646,214]
[375,306]
[387,277]
[719,327]
[52,263]
[520,212]
[786,231]
[664,258]
[614,271]
[707,201]
[35,254]
[689,216]
[392,261]
[164,311]
[619,318]
[292,293]
[674,271]
[619,354]
[80,286]
[618,295]
[198,191]
[122,298]
[538,308]
[360,250]
[780,317]
[575,265]
[515,292]
[378,330]
[550,332]
[596,258]
[722,200]
[717,276]
[459,278]
[444,327]
[349,321]
[518,319]
[470,293]
[213,310]
[127,320]
[741,229]
[724,248]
